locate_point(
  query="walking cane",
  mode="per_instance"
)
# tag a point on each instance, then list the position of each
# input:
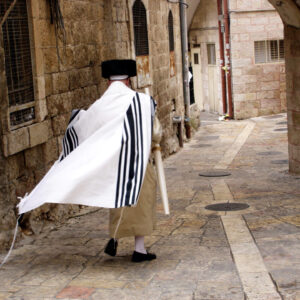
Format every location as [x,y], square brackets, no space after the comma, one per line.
[160,173]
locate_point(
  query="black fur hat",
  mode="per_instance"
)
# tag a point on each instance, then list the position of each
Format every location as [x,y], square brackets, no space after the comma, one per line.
[118,67]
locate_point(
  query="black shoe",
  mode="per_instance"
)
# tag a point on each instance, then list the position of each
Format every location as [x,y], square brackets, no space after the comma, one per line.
[139,257]
[111,247]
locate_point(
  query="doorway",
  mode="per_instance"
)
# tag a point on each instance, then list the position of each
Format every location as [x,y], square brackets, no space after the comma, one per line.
[197,76]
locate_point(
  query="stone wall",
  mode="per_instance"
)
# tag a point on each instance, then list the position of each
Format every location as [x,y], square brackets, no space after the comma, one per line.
[258,89]
[95,31]
[292,47]
[290,14]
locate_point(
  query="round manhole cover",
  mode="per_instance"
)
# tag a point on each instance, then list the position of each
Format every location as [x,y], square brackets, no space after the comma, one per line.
[273,117]
[280,129]
[170,169]
[280,161]
[269,153]
[227,206]
[214,173]
[201,146]
[282,123]
[209,137]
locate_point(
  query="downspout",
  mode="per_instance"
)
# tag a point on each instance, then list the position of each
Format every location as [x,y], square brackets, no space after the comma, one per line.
[222,56]
[228,59]
[185,66]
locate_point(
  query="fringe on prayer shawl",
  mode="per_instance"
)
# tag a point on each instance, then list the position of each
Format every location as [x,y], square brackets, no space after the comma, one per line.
[12,244]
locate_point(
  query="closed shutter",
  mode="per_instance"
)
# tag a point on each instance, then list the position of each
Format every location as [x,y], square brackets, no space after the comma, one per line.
[269,51]
[18,65]
[260,52]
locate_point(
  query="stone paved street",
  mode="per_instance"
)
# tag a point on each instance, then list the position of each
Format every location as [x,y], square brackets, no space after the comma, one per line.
[201,254]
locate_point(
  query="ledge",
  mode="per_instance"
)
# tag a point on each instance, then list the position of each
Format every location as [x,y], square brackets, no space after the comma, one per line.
[26,137]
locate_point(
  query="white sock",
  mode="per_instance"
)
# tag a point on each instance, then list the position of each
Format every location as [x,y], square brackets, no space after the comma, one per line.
[140,245]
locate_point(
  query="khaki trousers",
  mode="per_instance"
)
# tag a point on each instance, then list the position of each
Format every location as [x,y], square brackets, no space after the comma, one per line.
[141,219]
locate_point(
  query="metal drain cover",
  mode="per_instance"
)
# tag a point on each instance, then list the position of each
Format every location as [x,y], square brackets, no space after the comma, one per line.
[214,173]
[280,161]
[269,153]
[273,117]
[280,129]
[227,206]
[209,137]
[201,146]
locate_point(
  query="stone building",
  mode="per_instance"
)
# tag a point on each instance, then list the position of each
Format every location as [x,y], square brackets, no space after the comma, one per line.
[257,58]
[289,11]
[50,65]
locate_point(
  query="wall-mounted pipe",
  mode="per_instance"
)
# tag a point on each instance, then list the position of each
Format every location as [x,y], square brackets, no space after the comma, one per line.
[228,59]
[185,65]
[222,56]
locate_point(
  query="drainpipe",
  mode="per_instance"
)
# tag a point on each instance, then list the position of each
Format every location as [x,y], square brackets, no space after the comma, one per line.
[222,56]
[228,59]
[185,66]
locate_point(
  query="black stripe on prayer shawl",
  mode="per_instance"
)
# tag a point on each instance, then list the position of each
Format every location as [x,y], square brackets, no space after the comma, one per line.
[140,132]
[138,150]
[130,176]
[124,164]
[70,142]
[74,113]
[132,156]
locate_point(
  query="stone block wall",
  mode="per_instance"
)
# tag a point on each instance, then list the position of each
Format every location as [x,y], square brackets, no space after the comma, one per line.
[95,31]
[258,89]
[292,47]
[166,89]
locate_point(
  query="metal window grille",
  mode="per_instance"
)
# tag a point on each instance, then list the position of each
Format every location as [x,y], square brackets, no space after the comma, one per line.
[171,31]
[211,54]
[140,28]
[269,51]
[18,65]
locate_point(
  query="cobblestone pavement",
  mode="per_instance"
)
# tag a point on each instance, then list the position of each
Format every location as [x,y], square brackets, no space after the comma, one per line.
[201,254]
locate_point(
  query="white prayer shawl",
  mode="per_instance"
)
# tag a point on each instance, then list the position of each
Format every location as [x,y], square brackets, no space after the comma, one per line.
[105,153]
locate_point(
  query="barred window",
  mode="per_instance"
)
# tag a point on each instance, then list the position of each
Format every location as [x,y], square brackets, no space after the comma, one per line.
[269,51]
[211,54]
[140,28]
[18,65]
[171,31]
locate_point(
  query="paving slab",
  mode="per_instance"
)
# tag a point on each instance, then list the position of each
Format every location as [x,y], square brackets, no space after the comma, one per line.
[201,254]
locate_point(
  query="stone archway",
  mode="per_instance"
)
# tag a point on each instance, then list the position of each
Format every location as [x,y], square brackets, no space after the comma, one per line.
[289,10]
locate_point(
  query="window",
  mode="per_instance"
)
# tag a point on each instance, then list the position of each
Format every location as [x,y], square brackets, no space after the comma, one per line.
[269,51]
[140,28]
[18,66]
[211,54]
[196,58]
[171,44]
[139,17]
[171,31]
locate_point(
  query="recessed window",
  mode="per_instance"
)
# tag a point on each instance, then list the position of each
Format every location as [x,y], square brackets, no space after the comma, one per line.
[196,59]
[18,67]
[211,54]
[269,51]
[140,28]
[171,31]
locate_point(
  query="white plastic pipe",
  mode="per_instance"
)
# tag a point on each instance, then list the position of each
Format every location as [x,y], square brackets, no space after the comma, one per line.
[161,179]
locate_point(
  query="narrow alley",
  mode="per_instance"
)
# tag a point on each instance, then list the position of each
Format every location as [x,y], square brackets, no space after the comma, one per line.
[252,253]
